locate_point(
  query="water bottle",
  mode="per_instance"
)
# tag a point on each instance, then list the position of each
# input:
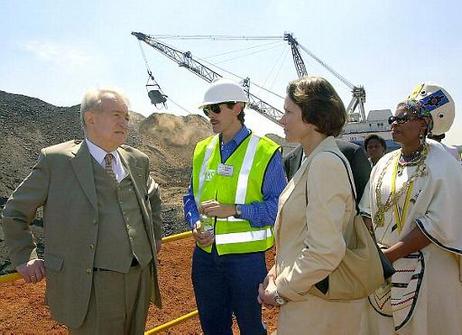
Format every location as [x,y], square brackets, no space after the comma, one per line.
[207,224]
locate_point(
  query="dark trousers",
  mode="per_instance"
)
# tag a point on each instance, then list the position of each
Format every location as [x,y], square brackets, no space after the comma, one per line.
[228,284]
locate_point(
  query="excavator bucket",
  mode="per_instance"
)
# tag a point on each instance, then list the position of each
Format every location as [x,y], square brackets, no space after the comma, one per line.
[157,97]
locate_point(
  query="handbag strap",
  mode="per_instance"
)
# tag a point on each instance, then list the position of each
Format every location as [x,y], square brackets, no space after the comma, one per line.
[370,229]
[349,179]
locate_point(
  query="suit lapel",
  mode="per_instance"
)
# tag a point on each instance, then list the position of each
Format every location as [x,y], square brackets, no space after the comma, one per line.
[135,173]
[82,165]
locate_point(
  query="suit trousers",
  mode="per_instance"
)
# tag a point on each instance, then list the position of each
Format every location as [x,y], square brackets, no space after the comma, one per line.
[228,284]
[119,302]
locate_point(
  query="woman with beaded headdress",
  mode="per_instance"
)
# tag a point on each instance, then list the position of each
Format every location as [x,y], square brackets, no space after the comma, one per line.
[441,105]
[415,194]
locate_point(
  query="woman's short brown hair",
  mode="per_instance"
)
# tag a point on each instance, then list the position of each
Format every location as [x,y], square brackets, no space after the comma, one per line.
[320,104]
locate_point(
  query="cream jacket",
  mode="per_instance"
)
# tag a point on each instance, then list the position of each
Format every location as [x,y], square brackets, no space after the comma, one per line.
[314,211]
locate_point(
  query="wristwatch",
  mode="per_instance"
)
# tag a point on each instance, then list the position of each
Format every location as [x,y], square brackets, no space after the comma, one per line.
[279,300]
[238,211]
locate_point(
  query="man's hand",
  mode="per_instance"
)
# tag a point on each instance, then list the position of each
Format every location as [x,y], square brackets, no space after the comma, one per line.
[214,208]
[32,271]
[203,238]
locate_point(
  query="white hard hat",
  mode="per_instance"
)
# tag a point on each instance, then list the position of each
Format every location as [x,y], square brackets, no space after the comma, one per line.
[223,90]
[439,103]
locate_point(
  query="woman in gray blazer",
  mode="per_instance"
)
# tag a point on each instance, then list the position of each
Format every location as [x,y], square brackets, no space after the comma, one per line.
[314,211]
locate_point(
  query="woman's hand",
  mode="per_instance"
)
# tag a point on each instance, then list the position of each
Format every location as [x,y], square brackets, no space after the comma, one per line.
[267,291]
[390,254]
[414,241]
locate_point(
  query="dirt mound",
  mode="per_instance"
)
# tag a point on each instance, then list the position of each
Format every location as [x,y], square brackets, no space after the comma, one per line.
[169,141]
[29,124]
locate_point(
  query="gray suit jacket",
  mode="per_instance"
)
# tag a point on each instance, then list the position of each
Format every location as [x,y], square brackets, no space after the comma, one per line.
[354,153]
[62,182]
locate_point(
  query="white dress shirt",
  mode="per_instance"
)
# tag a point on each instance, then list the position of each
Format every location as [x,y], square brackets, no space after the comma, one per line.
[98,154]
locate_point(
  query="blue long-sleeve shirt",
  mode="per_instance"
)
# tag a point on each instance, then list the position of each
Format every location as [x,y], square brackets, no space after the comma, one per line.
[261,213]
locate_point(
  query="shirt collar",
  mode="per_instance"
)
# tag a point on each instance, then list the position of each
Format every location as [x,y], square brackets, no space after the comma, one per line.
[239,137]
[98,154]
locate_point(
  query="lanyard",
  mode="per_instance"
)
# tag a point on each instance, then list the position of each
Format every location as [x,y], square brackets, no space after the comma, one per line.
[400,216]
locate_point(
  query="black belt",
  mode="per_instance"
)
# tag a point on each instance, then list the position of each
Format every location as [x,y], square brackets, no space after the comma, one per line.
[134,263]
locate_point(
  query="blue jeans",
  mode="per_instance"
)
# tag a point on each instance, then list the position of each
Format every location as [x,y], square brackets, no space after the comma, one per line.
[228,284]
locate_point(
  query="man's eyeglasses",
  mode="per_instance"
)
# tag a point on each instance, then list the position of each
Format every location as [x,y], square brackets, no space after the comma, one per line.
[211,108]
[216,107]
[401,119]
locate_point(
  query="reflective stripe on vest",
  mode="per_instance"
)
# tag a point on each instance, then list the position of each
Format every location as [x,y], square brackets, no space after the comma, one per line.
[242,183]
[249,162]
[208,153]
[241,190]
[256,235]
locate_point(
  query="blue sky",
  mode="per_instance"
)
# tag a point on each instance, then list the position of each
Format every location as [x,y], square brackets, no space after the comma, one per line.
[55,50]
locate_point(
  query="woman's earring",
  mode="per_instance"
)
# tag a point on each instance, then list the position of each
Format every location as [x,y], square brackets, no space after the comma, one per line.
[422,139]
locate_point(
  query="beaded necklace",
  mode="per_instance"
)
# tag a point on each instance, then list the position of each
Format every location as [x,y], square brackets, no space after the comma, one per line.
[395,195]
[411,159]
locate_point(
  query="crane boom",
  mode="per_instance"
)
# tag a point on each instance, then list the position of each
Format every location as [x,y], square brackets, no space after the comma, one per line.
[358,92]
[185,59]
[298,60]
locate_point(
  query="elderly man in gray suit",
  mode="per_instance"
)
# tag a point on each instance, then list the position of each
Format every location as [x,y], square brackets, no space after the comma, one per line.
[101,214]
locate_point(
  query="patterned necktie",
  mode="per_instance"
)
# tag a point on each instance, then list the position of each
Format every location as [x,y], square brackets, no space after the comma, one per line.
[108,166]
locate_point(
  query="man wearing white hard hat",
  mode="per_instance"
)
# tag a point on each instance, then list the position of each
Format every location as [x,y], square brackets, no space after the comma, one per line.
[441,105]
[231,207]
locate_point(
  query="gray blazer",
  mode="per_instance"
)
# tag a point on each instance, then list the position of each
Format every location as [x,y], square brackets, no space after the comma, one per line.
[62,182]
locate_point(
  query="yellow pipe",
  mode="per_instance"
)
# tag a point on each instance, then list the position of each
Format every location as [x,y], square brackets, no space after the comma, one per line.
[10,277]
[177,236]
[16,276]
[172,323]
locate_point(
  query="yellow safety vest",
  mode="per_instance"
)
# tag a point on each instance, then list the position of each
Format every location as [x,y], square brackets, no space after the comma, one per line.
[241,184]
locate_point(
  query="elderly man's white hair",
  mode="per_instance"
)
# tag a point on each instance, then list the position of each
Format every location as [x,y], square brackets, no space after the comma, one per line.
[92,100]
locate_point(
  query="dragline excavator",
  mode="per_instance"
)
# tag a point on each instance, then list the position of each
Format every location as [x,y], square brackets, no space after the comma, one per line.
[186,60]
